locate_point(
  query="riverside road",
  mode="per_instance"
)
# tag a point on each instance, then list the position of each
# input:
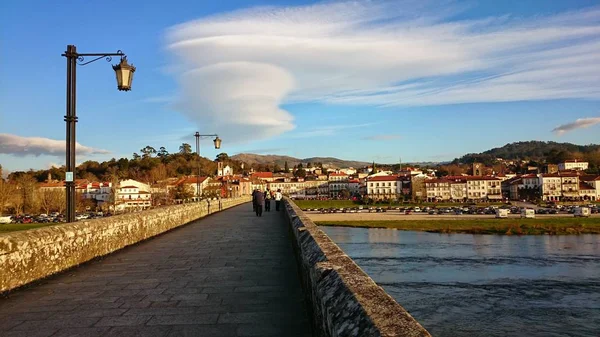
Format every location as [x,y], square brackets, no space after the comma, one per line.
[229,274]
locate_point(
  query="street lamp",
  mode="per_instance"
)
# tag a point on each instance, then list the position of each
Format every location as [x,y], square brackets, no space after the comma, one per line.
[124,73]
[217,142]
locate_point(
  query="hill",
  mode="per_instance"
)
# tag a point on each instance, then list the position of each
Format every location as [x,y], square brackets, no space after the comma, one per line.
[538,151]
[256,159]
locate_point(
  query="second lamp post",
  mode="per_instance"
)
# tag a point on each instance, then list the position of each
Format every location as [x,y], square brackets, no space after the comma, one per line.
[217,142]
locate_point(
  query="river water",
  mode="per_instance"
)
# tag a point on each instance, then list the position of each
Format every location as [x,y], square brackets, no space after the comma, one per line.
[484,285]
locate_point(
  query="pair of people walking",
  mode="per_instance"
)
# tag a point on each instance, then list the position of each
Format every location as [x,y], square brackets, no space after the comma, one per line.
[260,199]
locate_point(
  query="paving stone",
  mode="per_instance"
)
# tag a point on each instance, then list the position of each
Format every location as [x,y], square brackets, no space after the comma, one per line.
[138,331]
[123,321]
[43,332]
[228,274]
[81,332]
[219,330]
[69,322]
[184,319]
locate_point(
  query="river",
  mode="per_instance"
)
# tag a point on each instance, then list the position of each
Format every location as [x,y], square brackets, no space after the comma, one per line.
[464,285]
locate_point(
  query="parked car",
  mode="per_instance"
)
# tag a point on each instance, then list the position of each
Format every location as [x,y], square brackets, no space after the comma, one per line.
[6,219]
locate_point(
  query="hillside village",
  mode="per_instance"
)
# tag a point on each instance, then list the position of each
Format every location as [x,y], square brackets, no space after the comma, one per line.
[567,181]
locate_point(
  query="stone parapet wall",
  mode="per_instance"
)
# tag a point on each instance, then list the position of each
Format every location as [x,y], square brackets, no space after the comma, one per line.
[30,255]
[345,301]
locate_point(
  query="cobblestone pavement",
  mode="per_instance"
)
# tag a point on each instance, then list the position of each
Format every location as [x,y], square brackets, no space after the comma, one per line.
[229,274]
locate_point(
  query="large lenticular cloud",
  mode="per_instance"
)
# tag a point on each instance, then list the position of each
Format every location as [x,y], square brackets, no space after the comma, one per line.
[237,69]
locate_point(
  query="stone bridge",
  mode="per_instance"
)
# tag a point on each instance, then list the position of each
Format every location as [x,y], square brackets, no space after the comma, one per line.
[227,274]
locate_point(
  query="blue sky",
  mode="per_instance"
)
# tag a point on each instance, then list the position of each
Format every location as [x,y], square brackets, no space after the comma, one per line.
[420,80]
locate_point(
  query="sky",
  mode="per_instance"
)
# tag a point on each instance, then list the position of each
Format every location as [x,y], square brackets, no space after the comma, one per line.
[383,81]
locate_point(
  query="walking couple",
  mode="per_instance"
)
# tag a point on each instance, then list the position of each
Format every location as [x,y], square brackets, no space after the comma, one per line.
[260,199]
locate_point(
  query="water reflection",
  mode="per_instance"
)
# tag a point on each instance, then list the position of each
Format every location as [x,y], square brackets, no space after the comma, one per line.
[485,285]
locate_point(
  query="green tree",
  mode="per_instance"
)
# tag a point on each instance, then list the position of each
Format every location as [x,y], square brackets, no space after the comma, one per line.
[222,157]
[185,148]
[136,156]
[163,153]
[300,173]
[286,168]
[182,192]
[148,151]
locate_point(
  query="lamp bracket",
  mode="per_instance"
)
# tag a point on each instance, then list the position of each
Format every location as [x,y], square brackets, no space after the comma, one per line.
[81,57]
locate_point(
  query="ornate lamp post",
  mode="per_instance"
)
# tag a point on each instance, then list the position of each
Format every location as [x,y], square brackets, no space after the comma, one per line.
[124,73]
[217,142]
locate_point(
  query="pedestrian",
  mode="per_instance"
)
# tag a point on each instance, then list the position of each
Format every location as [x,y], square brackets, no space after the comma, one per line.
[260,202]
[267,200]
[254,200]
[278,198]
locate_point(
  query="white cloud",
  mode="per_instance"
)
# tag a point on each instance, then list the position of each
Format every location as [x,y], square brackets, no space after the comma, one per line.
[327,130]
[37,146]
[237,69]
[577,124]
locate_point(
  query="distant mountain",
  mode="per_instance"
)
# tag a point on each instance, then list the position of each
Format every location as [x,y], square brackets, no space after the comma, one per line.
[251,159]
[551,152]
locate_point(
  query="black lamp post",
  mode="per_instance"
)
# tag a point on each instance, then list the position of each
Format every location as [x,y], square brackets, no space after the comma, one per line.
[217,142]
[124,73]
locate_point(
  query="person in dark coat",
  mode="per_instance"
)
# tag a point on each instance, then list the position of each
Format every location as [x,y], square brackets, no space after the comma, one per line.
[260,202]
[254,200]
[267,200]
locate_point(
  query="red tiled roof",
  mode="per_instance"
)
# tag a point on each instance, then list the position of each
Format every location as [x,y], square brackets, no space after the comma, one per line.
[130,187]
[262,175]
[590,177]
[191,180]
[584,186]
[342,174]
[383,178]
[48,185]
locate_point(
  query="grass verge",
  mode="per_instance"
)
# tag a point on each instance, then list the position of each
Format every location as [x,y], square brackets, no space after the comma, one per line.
[559,226]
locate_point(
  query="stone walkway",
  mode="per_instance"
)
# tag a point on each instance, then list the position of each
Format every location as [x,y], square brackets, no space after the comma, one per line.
[230,274]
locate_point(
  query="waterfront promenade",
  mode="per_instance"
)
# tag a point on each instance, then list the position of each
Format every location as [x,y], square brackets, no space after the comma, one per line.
[228,274]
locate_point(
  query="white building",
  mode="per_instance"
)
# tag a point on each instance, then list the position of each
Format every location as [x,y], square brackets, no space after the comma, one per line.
[573,165]
[594,182]
[224,171]
[559,186]
[382,187]
[438,190]
[337,177]
[131,197]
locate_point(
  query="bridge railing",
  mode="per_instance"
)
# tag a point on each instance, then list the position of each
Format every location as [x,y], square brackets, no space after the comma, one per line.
[30,255]
[344,300]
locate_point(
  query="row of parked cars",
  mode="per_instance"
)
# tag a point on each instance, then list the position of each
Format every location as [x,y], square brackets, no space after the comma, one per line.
[54,217]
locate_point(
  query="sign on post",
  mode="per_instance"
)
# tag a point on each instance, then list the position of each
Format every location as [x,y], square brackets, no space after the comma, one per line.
[69,176]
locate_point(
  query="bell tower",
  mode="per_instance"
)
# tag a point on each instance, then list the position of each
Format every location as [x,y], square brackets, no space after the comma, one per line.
[477,169]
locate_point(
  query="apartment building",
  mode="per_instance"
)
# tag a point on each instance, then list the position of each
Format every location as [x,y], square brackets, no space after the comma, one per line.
[559,186]
[382,187]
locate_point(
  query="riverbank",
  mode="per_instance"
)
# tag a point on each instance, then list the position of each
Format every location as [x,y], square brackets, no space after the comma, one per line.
[349,204]
[549,226]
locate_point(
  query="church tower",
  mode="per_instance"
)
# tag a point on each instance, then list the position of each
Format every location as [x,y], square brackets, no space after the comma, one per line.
[478,169]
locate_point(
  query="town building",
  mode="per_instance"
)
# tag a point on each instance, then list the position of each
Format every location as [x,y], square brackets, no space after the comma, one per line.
[133,197]
[382,187]
[573,165]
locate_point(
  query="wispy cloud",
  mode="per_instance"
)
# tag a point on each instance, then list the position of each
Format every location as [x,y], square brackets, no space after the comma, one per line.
[328,130]
[236,69]
[382,137]
[577,124]
[37,146]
